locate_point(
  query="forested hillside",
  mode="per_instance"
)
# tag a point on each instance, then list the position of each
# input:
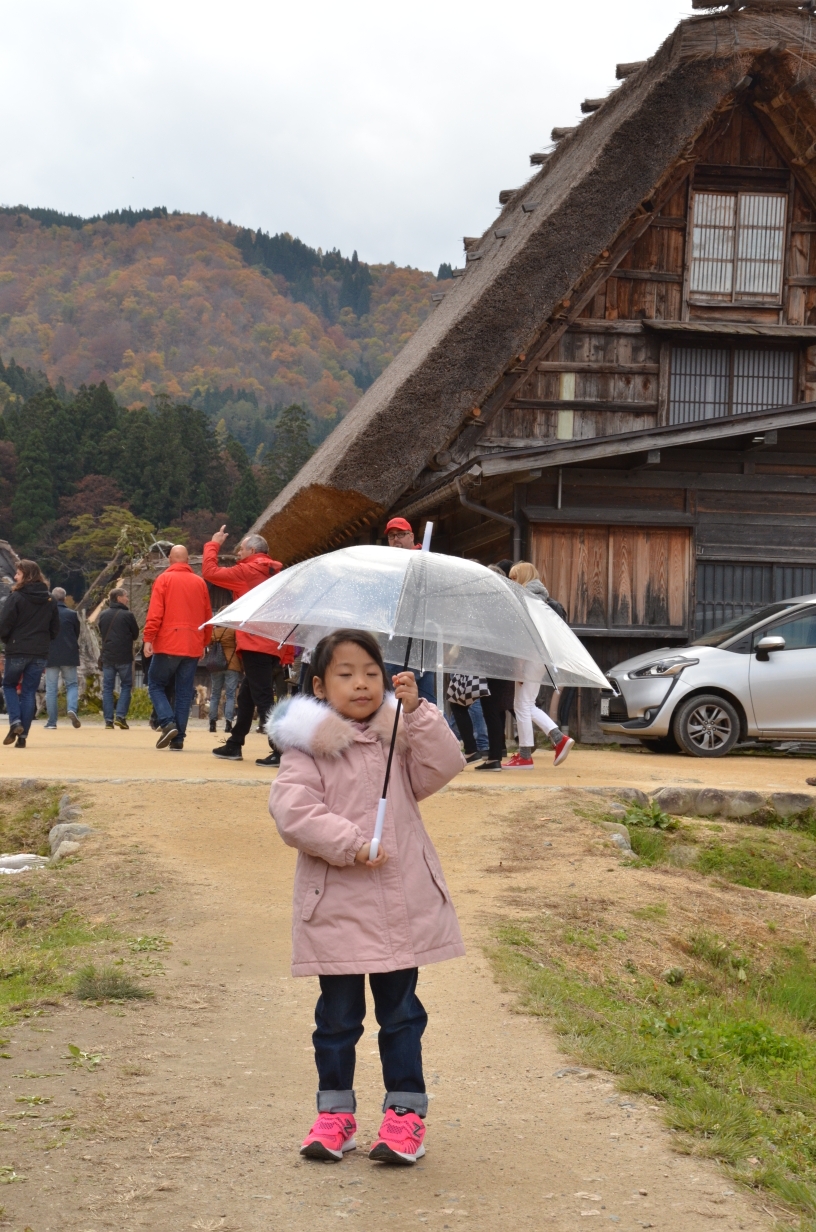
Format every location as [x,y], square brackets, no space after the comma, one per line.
[161,372]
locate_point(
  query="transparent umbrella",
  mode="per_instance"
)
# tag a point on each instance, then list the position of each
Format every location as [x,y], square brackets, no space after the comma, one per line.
[429,611]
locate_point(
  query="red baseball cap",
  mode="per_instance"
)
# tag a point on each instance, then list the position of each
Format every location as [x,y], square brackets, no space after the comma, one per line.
[399,524]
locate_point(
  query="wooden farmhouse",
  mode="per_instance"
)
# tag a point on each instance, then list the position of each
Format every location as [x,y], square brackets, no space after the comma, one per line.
[620,383]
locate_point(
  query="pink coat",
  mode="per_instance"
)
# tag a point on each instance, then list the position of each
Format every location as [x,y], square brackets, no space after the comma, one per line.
[349,919]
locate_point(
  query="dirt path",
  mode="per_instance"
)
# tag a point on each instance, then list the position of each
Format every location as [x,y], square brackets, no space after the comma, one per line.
[194,1117]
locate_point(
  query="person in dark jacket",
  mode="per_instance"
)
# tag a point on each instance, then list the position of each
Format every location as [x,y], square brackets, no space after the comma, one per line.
[63,658]
[29,624]
[118,629]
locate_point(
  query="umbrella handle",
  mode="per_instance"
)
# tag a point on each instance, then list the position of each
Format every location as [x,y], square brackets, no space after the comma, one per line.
[378,829]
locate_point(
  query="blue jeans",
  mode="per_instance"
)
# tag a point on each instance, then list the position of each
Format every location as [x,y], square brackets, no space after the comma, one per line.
[28,670]
[339,1025]
[109,673]
[426,681]
[162,669]
[228,681]
[69,676]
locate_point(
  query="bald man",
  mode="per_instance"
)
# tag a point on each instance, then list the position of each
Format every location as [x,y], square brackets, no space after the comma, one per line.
[174,642]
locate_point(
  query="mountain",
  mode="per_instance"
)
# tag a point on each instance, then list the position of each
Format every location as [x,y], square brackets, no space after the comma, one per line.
[236,322]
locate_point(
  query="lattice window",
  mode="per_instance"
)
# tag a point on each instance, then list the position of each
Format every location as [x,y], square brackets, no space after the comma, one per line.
[738,246]
[708,382]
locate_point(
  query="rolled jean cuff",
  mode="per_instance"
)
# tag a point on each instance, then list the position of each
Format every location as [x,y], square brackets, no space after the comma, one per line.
[407,1099]
[336,1101]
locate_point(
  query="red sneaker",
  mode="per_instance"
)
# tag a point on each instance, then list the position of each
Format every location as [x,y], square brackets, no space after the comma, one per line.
[400,1139]
[517,762]
[562,749]
[330,1137]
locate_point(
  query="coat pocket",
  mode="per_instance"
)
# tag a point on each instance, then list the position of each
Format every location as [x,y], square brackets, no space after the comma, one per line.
[436,873]
[314,890]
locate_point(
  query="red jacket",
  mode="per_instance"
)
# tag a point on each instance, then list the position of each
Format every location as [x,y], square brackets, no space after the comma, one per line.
[240,578]
[179,603]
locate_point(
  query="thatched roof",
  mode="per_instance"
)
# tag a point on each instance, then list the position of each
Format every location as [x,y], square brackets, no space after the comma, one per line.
[598,177]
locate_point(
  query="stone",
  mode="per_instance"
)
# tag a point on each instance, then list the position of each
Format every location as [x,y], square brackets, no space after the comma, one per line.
[615,827]
[68,829]
[616,810]
[679,801]
[621,843]
[711,802]
[70,813]
[791,803]
[674,975]
[66,848]
[743,803]
[64,801]
[633,794]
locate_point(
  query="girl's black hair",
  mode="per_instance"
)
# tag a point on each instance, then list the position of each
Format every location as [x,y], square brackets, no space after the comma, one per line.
[323,654]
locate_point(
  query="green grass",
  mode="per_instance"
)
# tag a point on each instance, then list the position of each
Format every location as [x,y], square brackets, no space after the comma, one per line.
[730,1051]
[762,865]
[109,984]
[26,816]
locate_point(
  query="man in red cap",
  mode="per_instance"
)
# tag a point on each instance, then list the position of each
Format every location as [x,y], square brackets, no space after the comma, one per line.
[401,535]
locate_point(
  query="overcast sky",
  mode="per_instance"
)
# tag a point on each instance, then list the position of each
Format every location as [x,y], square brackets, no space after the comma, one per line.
[384,127]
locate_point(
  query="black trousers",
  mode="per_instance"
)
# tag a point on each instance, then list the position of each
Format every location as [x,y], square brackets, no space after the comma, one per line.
[494,722]
[464,723]
[256,691]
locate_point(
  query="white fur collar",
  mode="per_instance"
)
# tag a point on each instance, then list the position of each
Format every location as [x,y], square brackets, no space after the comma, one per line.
[313,727]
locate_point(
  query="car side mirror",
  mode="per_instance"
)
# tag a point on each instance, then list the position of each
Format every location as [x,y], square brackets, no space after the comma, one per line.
[766,644]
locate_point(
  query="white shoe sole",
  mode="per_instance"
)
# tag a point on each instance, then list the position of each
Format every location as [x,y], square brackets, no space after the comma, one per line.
[385,1154]
[564,754]
[319,1150]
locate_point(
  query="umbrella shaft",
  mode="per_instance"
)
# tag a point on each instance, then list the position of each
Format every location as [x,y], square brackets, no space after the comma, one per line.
[378,826]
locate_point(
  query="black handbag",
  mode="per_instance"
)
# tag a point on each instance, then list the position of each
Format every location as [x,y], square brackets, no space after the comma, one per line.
[214,658]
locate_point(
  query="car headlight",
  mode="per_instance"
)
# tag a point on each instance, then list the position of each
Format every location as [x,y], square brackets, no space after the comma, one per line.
[664,667]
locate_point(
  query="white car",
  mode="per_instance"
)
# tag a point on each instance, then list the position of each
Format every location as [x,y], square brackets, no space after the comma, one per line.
[754,678]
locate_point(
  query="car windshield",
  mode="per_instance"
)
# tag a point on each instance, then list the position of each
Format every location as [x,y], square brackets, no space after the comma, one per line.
[733,627]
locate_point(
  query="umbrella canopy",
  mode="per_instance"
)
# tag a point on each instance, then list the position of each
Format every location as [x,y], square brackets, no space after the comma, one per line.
[461,616]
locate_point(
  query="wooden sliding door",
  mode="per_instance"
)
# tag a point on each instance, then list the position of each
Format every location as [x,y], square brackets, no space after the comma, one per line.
[617,579]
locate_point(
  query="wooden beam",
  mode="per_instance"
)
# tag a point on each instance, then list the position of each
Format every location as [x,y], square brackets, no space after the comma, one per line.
[564,365]
[595,325]
[797,227]
[678,224]
[696,481]
[736,329]
[646,275]
[581,404]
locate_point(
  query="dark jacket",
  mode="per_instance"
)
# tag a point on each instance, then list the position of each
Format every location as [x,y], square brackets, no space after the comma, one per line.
[64,650]
[30,621]
[118,629]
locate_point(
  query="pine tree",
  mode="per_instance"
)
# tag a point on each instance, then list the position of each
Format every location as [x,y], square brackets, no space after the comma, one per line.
[33,503]
[245,503]
[290,450]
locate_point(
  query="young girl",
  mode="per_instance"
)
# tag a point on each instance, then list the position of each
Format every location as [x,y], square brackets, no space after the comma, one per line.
[354,916]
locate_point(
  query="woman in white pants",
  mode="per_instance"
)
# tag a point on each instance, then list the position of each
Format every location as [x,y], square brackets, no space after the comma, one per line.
[527,712]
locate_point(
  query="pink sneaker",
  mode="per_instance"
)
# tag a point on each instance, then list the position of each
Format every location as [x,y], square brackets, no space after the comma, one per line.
[562,749]
[517,762]
[400,1139]
[331,1136]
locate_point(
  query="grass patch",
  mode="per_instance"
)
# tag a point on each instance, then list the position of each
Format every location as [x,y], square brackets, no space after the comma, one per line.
[730,1050]
[765,862]
[26,816]
[109,984]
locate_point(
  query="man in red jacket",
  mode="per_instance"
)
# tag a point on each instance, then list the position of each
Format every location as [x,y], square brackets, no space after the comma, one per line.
[174,642]
[260,656]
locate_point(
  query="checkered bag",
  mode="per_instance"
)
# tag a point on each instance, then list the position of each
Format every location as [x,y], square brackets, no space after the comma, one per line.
[465,690]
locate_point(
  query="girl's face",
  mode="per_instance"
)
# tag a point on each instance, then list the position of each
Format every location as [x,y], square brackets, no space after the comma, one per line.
[353,684]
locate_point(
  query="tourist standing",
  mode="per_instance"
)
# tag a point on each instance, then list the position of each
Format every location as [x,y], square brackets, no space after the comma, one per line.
[63,659]
[400,534]
[174,642]
[261,658]
[224,679]
[118,629]
[29,624]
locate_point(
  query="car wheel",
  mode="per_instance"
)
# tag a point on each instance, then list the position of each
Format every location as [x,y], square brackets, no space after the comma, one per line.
[707,726]
[663,744]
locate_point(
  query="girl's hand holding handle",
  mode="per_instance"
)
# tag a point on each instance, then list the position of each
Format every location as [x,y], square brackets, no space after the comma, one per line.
[364,853]
[406,691]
